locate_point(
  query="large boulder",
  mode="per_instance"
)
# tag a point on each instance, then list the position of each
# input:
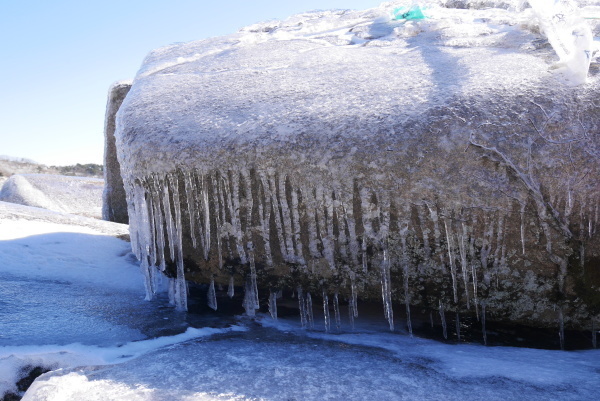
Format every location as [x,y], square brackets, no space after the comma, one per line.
[438,163]
[114,203]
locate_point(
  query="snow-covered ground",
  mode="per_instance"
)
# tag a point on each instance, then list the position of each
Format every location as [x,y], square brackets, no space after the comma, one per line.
[71,300]
[76,195]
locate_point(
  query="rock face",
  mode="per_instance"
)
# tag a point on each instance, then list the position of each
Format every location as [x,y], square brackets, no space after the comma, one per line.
[114,203]
[436,163]
[76,195]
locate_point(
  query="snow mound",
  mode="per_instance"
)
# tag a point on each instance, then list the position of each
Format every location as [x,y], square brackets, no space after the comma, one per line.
[76,195]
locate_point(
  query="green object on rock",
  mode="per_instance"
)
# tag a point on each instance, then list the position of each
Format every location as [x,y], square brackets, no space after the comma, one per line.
[413,12]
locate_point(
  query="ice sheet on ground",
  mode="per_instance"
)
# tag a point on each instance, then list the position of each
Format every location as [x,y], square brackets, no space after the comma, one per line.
[77,195]
[275,363]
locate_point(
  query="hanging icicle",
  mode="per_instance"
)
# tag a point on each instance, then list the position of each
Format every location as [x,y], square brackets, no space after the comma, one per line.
[443,318]
[326,316]
[231,288]
[212,295]
[309,311]
[273,304]
[336,311]
[386,289]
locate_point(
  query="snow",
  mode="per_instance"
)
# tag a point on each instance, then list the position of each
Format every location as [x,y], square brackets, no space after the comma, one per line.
[77,195]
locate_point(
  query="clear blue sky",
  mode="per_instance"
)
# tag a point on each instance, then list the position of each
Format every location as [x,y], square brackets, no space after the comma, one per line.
[59,58]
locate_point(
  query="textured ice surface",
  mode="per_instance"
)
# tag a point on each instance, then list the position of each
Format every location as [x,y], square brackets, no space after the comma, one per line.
[286,364]
[77,195]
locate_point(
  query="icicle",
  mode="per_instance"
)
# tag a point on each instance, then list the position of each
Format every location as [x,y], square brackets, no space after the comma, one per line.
[264,212]
[407,304]
[443,317]
[309,311]
[458,326]
[431,318]
[386,289]
[436,231]
[336,311]
[172,286]
[354,296]
[463,262]
[561,328]
[325,225]
[219,216]
[212,295]
[159,225]
[231,196]
[250,298]
[486,248]
[451,258]
[364,254]
[301,307]
[231,288]
[169,220]
[403,231]
[273,304]
[367,217]
[311,213]
[296,228]
[191,202]
[342,239]
[206,210]
[483,330]
[271,192]
[148,280]
[181,286]
[253,276]
[594,335]
[326,316]
[286,218]
[351,313]
[523,227]
[474,268]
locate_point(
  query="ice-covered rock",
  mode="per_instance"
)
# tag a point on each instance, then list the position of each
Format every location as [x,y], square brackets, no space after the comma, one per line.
[437,162]
[114,203]
[76,195]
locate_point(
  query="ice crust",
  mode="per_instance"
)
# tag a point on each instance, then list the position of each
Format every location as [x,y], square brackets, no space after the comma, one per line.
[264,364]
[326,75]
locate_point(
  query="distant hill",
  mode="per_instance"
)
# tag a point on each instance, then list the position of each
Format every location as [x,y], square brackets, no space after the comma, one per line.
[14,165]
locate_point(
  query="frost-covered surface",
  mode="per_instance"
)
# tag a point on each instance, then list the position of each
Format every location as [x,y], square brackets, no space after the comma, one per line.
[326,72]
[442,162]
[282,362]
[76,195]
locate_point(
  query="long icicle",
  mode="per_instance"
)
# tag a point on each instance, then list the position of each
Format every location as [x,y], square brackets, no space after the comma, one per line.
[326,316]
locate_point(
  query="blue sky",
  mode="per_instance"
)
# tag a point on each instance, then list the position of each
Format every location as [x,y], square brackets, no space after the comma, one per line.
[59,58]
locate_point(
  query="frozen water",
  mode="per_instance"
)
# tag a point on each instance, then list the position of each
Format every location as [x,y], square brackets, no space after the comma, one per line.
[284,362]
